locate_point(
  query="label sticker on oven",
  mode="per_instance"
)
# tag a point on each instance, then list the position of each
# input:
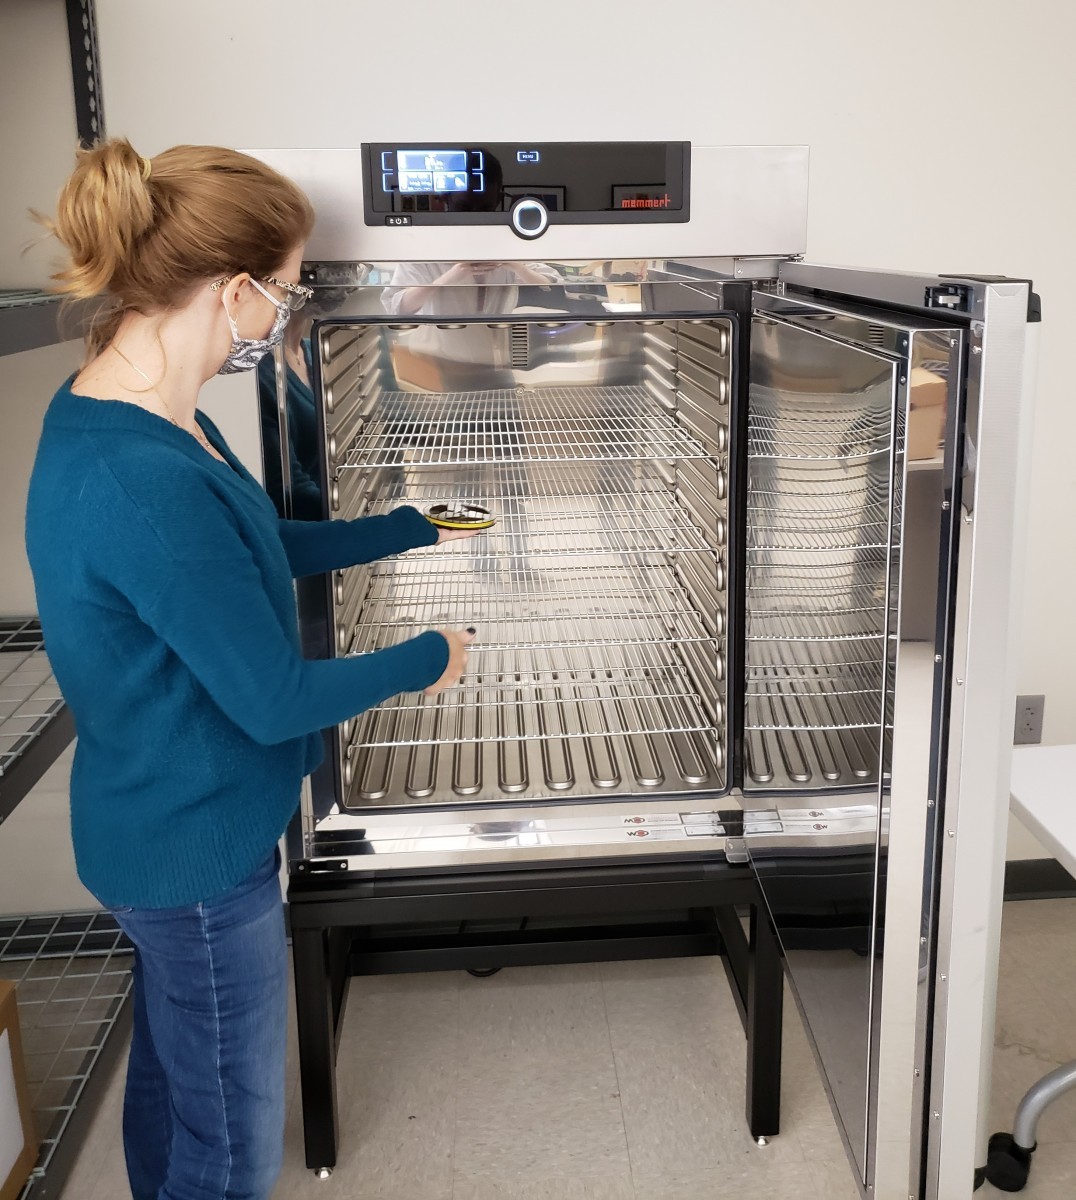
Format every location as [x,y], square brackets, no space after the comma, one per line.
[705,829]
[659,834]
[653,819]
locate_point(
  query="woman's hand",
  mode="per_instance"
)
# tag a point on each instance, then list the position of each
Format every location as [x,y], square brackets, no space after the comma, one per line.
[458,641]
[461,272]
[454,535]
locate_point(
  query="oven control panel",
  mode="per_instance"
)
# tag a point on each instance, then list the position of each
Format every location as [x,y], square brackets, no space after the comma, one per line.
[527,186]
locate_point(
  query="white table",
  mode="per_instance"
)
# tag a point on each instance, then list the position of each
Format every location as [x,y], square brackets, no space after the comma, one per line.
[1041,795]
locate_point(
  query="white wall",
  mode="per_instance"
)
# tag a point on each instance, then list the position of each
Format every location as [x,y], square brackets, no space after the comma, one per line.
[37,131]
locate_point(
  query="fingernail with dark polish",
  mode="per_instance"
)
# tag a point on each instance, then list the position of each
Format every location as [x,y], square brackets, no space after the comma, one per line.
[471,629]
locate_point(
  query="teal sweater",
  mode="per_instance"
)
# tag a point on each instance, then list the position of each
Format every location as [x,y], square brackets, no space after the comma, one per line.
[164,586]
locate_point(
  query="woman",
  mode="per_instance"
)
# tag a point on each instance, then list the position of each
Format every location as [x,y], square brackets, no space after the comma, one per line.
[164,583]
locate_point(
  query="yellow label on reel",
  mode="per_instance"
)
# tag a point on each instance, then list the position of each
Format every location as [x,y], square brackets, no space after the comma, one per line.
[459,515]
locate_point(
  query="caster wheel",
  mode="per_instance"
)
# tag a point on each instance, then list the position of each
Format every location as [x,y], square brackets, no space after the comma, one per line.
[1007,1164]
[324,1172]
[483,972]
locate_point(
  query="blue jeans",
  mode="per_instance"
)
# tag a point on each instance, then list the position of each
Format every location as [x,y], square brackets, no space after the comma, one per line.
[203,1115]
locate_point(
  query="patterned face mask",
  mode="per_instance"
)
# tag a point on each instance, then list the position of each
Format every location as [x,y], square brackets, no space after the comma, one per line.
[246,353]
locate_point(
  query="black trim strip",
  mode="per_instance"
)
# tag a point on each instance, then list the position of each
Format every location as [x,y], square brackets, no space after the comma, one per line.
[738,299]
[85,71]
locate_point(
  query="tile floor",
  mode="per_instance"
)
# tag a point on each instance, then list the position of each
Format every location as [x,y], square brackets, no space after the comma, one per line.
[612,1082]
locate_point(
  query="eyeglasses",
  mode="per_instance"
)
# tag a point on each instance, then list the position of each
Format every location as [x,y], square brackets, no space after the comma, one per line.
[295,294]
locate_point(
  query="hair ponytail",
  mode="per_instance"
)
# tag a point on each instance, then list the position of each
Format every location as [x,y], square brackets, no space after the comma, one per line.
[104,209]
[141,234]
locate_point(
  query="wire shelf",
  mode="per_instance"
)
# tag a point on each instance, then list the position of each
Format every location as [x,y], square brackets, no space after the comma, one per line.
[639,690]
[849,624]
[778,708]
[29,695]
[520,612]
[586,678]
[820,435]
[72,973]
[619,719]
[816,660]
[25,297]
[813,713]
[504,426]
[816,523]
[848,582]
[509,644]
[624,512]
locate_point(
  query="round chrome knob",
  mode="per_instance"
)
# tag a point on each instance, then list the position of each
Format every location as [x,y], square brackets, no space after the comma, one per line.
[529,217]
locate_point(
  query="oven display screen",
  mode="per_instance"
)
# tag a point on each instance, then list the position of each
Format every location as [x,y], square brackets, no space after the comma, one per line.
[448,183]
[431,171]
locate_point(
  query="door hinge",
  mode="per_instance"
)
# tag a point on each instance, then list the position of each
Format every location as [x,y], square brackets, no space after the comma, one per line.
[736,850]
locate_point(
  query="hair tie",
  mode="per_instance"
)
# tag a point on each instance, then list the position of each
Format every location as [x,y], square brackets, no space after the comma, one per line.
[147,166]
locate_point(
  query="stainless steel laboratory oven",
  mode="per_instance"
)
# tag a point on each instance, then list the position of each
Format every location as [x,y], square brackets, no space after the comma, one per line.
[741,619]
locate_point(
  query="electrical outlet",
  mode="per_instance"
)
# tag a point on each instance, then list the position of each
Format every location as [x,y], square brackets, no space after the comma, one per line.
[1028,730]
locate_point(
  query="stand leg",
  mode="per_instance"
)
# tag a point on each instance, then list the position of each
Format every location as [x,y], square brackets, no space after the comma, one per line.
[317,1045]
[765,1001]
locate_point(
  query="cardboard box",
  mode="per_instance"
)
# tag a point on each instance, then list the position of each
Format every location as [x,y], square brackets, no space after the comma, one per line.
[18,1139]
[926,414]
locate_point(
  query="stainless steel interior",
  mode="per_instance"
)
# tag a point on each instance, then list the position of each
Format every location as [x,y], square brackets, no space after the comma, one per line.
[598,596]
[604,448]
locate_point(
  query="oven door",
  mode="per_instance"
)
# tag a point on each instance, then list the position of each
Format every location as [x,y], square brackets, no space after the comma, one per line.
[866,434]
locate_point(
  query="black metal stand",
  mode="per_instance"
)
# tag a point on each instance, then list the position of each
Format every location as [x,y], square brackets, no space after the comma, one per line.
[765,997]
[342,928]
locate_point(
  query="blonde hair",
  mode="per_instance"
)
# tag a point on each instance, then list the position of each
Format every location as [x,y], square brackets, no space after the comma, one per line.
[143,233]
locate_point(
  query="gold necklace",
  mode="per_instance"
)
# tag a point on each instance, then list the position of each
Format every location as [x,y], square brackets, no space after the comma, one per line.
[197,433]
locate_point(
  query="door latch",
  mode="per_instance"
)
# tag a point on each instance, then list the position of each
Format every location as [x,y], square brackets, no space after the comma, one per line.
[956,297]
